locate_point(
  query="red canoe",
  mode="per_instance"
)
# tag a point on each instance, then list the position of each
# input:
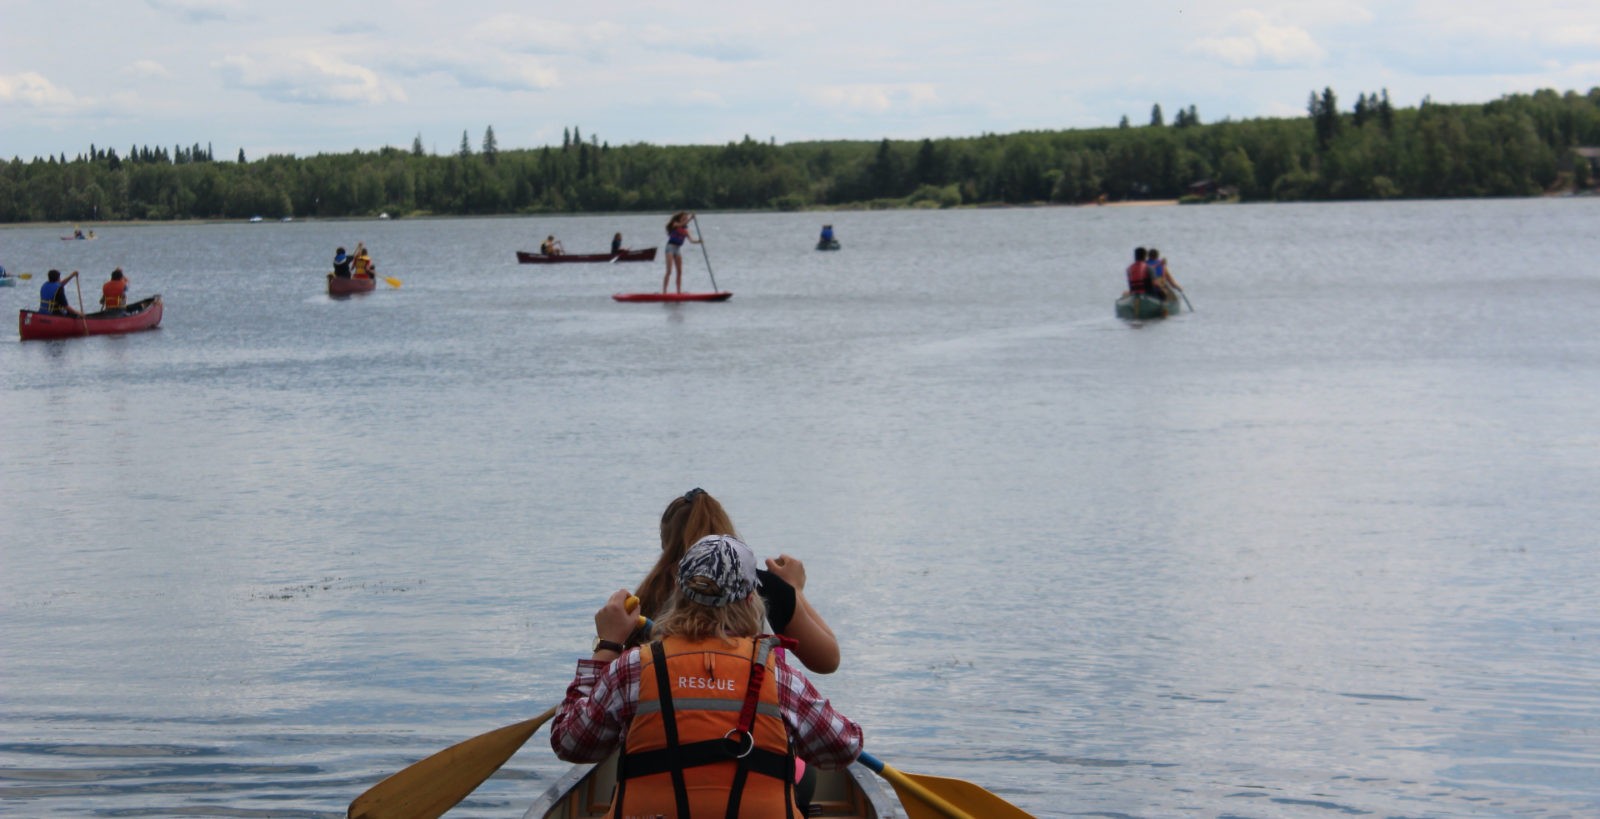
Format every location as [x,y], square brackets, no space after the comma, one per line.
[354,284]
[142,315]
[721,295]
[646,255]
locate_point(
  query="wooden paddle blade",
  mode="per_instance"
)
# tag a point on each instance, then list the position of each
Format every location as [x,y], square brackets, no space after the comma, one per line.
[965,796]
[24,276]
[428,788]
[393,282]
[938,797]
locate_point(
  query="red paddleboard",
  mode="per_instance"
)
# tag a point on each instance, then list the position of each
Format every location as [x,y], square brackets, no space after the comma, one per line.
[721,295]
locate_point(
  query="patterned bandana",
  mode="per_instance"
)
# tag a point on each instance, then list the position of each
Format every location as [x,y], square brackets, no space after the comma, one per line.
[724,560]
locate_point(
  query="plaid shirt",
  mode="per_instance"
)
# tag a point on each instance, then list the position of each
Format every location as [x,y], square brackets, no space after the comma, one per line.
[601,700]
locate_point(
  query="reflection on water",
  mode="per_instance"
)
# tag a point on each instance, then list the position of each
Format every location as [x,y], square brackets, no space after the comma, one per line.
[1322,545]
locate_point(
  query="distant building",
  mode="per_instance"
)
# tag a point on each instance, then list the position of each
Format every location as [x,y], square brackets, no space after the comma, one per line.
[1208,190]
[1593,155]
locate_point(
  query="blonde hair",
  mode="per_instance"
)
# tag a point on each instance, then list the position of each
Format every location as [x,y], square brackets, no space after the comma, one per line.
[695,622]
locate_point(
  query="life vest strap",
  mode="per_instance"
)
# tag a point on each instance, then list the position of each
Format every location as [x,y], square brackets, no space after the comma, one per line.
[695,754]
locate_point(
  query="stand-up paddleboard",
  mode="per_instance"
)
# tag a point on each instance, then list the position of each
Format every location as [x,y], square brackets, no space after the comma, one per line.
[721,295]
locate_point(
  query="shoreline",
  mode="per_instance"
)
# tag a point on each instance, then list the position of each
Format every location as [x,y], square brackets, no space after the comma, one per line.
[844,208]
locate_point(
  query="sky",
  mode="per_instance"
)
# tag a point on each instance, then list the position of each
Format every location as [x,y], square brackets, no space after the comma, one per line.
[303,78]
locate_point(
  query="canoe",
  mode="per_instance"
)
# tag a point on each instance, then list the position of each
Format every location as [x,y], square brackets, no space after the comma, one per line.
[353,284]
[1145,306]
[646,255]
[828,244]
[721,295]
[8,281]
[141,315]
[585,791]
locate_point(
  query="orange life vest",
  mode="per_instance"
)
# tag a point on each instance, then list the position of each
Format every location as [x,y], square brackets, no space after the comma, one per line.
[686,755]
[114,293]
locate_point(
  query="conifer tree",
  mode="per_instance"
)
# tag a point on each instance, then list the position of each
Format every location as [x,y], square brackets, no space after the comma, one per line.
[491,150]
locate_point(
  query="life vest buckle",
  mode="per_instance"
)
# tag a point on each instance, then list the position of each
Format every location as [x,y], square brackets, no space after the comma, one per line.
[748,742]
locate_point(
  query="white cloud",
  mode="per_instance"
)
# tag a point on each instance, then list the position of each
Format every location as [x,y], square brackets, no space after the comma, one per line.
[307,75]
[500,72]
[148,68]
[517,32]
[1250,39]
[878,98]
[197,11]
[33,90]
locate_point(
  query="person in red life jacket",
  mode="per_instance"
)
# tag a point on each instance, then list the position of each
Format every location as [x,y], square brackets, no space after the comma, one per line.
[677,234]
[53,294]
[710,715]
[781,585]
[1139,280]
[114,293]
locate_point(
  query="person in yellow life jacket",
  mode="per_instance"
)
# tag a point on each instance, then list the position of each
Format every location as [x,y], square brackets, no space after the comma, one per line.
[361,265]
[710,715]
[114,293]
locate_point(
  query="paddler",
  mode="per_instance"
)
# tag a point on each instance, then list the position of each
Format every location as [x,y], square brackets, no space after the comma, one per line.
[53,294]
[707,715]
[114,293]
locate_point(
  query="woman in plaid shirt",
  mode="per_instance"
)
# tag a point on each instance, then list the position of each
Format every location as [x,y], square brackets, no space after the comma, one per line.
[709,718]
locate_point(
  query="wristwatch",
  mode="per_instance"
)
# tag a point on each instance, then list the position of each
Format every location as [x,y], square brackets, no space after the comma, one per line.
[602,644]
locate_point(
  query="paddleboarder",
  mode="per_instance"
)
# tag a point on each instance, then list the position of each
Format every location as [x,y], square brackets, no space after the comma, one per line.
[677,234]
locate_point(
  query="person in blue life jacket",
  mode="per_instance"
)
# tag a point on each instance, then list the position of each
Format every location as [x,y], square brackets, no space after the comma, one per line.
[53,295]
[341,264]
[827,233]
[1160,278]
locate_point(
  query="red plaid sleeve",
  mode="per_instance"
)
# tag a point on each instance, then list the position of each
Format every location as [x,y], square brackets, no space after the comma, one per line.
[600,702]
[823,736]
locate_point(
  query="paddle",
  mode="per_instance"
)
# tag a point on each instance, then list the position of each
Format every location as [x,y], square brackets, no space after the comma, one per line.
[1185,299]
[936,796]
[701,236]
[82,316]
[393,282]
[427,788]
[24,276]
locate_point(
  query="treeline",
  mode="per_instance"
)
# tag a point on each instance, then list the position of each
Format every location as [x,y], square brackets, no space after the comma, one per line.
[1519,145]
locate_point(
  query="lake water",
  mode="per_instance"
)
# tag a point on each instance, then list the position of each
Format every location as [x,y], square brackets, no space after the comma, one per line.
[1324,546]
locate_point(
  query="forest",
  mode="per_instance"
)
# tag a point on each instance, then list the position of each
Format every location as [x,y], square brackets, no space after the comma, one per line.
[1518,145]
